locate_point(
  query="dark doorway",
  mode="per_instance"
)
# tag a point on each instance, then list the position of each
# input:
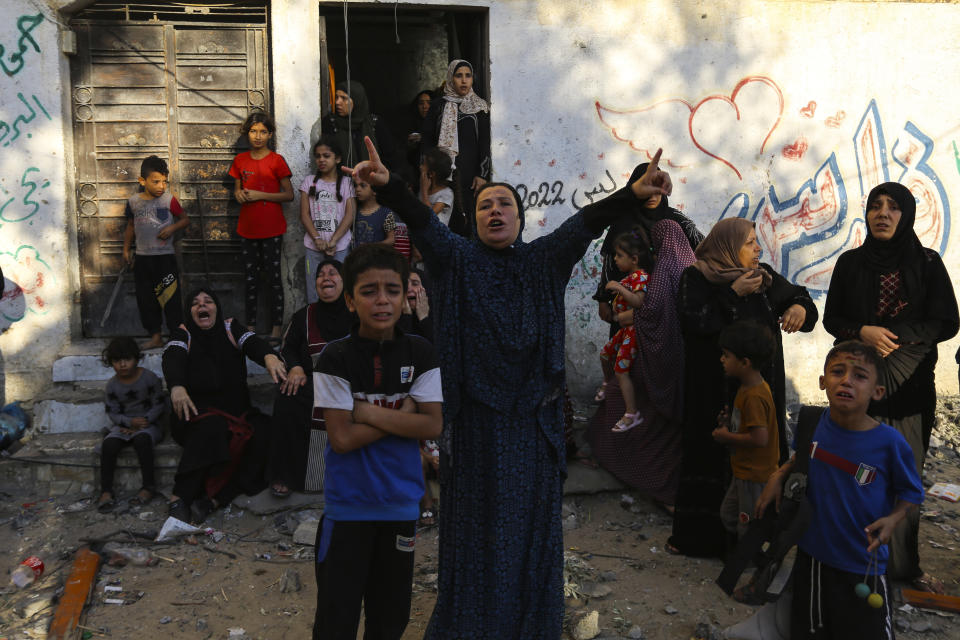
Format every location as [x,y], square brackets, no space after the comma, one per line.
[393,73]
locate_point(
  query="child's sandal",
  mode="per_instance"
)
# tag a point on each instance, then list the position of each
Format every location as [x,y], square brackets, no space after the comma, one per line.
[601,394]
[627,422]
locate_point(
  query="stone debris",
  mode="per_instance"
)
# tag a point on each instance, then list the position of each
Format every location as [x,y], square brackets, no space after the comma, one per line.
[635,633]
[671,610]
[290,581]
[586,626]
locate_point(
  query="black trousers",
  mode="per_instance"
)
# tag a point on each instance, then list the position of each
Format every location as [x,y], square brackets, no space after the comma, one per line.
[263,255]
[825,606]
[157,283]
[142,443]
[369,563]
[290,438]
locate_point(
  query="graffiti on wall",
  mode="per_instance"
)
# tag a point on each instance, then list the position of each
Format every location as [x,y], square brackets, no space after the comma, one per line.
[804,232]
[34,280]
[13,62]
[29,279]
[803,235]
[731,129]
[19,205]
[21,119]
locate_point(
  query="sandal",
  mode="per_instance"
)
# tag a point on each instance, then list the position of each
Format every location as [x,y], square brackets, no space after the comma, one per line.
[280,490]
[928,583]
[108,505]
[627,422]
[201,510]
[143,497]
[427,519]
[672,550]
[178,509]
[601,394]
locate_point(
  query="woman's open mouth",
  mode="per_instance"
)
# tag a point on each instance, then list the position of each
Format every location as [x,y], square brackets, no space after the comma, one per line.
[203,315]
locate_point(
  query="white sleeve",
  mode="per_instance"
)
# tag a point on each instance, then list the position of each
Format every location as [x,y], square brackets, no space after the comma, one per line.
[331,392]
[426,387]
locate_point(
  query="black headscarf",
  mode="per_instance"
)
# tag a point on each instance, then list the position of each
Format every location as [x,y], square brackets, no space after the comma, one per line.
[200,336]
[333,318]
[639,215]
[361,106]
[904,248]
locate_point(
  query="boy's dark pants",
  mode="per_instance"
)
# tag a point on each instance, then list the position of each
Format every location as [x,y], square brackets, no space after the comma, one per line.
[157,280]
[363,562]
[110,449]
[824,601]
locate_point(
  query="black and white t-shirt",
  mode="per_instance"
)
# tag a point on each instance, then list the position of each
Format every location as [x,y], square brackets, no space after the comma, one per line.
[383,480]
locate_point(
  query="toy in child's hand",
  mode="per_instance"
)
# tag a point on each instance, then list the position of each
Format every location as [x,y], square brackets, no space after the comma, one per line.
[873,598]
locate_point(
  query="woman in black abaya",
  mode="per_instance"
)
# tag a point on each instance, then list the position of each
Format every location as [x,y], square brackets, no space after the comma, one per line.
[896,296]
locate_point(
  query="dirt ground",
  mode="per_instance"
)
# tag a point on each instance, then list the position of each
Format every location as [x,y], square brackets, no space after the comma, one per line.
[615,561]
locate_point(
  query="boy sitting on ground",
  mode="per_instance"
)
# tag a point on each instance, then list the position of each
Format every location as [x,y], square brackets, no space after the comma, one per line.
[751,428]
[861,483]
[380,393]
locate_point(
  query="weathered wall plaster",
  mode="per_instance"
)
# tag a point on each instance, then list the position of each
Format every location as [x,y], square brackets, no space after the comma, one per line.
[786,112]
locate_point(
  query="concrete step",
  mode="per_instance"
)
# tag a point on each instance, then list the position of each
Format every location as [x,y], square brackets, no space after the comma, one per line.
[82,361]
[56,464]
[77,407]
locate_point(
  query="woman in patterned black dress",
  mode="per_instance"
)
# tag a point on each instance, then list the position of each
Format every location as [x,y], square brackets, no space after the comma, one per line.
[499,331]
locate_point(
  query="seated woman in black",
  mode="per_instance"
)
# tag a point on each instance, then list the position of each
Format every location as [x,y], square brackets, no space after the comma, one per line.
[296,428]
[222,435]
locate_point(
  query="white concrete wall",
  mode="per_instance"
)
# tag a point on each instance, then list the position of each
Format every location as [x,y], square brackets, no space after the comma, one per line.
[792,110]
[37,249]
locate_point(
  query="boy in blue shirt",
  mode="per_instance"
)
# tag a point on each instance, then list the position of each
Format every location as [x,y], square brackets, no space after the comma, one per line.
[380,392]
[861,483]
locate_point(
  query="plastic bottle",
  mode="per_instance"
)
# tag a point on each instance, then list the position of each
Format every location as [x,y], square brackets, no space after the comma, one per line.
[27,572]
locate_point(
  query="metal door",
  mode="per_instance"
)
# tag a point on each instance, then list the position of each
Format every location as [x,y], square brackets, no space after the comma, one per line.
[179,91]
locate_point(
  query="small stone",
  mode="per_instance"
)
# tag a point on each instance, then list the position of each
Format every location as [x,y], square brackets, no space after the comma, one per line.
[921,626]
[290,581]
[587,627]
[671,610]
[201,624]
[705,631]
[608,576]
[626,501]
[306,532]
[635,633]
[570,523]
[902,625]
[595,590]
[165,620]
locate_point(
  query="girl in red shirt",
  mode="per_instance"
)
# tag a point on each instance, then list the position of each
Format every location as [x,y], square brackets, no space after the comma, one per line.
[261,180]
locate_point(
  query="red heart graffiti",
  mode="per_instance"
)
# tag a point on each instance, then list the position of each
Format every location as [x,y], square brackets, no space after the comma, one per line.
[731,101]
[835,121]
[796,150]
[809,110]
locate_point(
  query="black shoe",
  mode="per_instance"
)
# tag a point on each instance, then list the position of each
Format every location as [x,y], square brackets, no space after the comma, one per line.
[201,509]
[178,509]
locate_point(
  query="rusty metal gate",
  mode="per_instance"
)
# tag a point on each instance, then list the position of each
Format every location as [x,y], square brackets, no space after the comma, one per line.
[178,90]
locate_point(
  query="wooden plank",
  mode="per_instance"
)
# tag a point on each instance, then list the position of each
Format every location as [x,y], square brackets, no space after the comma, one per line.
[931,600]
[69,614]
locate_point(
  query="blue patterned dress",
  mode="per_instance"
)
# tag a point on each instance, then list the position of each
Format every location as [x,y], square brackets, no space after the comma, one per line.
[499,332]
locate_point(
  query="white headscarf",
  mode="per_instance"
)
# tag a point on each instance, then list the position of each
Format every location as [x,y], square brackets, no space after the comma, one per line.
[448,139]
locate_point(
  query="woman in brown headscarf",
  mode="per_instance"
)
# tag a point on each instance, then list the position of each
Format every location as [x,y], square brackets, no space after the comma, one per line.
[727,283]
